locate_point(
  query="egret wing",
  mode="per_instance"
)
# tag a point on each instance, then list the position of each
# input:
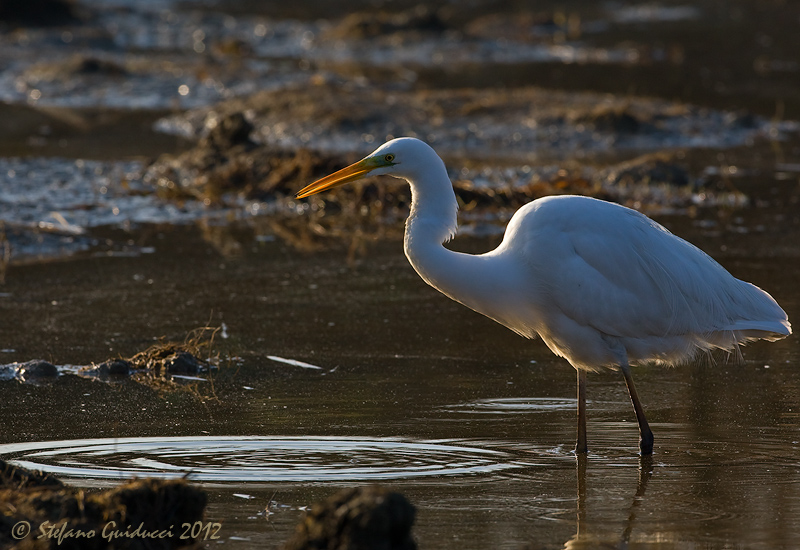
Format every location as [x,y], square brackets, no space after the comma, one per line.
[619,272]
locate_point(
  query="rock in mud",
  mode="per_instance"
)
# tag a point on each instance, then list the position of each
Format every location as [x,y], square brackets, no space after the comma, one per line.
[36,370]
[119,368]
[364,518]
[164,359]
[115,367]
[183,362]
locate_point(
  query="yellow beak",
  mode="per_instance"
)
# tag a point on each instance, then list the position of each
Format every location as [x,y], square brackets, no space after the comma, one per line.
[352,173]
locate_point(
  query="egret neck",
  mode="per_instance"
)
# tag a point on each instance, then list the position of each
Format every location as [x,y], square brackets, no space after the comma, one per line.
[469,279]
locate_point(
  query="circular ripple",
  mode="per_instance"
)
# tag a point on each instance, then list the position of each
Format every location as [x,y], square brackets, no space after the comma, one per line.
[250,459]
[514,405]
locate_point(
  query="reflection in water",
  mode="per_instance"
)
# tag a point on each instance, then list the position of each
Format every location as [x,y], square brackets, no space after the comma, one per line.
[585,538]
[511,405]
[645,473]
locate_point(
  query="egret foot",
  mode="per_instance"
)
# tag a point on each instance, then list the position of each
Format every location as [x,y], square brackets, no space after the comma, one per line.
[646,443]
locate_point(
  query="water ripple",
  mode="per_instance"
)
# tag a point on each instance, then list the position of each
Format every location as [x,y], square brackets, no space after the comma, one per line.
[514,405]
[258,459]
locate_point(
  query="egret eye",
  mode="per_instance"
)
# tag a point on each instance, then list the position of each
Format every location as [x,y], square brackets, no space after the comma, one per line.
[389,157]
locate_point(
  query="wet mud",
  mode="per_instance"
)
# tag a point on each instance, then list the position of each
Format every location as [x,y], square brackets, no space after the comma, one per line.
[67,517]
[523,123]
[227,157]
[227,162]
[226,166]
[250,107]
[356,519]
[160,514]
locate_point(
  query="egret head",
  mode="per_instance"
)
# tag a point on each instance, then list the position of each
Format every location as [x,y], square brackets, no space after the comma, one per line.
[401,157]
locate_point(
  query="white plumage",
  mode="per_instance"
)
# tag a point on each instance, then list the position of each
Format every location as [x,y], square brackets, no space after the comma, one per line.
[601,284]
[610,285]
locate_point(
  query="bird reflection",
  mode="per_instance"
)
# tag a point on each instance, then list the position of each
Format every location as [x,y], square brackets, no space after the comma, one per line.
[584,539]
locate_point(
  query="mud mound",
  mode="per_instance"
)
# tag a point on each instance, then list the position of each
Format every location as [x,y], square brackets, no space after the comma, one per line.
[367,518]
[40,512]
[361,25]
[227,161]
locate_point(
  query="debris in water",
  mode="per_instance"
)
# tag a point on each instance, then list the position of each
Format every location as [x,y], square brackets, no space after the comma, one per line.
[160,366]
[293,362]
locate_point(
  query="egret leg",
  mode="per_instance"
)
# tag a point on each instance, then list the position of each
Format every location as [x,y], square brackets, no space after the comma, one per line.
[645,433]
[581,446]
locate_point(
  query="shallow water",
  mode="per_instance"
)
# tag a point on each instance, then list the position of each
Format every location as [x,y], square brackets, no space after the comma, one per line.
[249,460]
[474,424]
[337,365]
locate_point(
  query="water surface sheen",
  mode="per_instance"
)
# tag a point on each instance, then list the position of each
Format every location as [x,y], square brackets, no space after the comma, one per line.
[258,459]
[474,424]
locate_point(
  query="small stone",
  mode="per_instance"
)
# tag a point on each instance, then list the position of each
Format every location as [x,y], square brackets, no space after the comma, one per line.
[36,369]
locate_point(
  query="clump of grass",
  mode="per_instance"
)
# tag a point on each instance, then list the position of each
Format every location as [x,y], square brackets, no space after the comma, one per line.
[166,358]
[156,366]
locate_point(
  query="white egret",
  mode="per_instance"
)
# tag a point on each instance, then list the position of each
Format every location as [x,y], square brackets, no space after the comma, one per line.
[601,284]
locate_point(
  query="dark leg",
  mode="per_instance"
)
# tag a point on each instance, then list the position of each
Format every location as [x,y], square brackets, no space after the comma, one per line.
[645,434]
[581,446]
